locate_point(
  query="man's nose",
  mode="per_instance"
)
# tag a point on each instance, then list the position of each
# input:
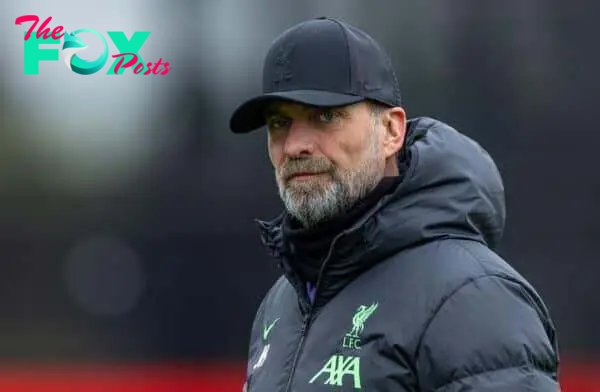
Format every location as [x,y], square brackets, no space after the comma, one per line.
[300,140]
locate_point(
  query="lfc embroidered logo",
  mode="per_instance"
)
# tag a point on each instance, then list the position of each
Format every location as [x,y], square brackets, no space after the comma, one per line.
[352,338]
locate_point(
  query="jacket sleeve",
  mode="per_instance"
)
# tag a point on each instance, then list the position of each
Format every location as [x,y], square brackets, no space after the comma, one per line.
[492,334]
[253,343]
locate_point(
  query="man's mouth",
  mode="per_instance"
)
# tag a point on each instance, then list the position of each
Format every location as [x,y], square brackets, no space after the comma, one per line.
[304,175]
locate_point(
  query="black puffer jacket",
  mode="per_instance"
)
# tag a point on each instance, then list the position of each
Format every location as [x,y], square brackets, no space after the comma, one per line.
[411,298]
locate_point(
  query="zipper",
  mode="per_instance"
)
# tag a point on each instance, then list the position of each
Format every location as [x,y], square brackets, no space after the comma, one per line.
[308,317]
[298,350]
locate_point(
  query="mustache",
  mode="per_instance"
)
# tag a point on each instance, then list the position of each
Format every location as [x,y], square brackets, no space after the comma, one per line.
[304,165]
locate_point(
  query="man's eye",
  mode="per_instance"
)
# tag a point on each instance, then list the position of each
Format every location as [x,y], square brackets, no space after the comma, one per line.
[327,116]
[277,123]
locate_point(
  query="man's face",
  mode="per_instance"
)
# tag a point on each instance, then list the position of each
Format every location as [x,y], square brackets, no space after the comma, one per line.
[324,159]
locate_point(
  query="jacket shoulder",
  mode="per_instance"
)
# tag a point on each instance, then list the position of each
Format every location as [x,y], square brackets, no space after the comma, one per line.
[445,265]
[488,331]
[473,318]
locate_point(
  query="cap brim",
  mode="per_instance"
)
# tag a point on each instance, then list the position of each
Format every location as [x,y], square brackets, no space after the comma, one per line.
[250,115]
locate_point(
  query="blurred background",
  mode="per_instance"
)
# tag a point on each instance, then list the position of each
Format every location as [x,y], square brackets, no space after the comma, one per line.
[129,259]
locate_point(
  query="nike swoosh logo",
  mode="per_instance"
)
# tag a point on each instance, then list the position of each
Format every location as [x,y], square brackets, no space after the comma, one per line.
[267,329]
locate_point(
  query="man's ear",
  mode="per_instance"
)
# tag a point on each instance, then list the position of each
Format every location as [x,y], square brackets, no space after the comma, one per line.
[394,122]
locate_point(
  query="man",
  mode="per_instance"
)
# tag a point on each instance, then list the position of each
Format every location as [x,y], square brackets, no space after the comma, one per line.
[389,279]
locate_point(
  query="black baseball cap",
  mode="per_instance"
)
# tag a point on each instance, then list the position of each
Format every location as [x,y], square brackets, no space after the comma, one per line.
[321,62]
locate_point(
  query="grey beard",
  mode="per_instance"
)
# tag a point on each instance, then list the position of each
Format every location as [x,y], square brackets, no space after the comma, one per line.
[314,202]
[311,205]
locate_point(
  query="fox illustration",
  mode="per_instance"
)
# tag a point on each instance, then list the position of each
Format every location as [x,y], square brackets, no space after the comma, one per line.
[71,46]
[74,44]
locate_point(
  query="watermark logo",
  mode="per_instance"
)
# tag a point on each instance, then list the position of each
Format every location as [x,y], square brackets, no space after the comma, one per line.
[128,50]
